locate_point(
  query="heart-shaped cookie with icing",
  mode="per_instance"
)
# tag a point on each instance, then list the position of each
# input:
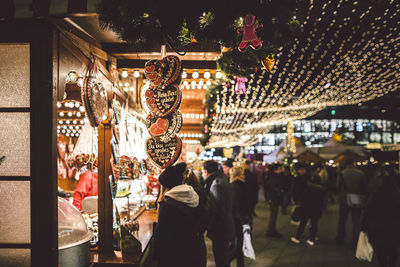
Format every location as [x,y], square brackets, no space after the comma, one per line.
[163,72]
[163,154]
[164,128]
[164,100]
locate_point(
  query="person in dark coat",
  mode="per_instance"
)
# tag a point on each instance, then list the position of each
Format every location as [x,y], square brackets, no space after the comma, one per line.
[311,202]
[351,180]
[176,237]
[274,195]
[251,187]
[226,167]
[265,177]
[192,179]
[241,210]
[381,219]
[221,227]
[299,183]
[286,189]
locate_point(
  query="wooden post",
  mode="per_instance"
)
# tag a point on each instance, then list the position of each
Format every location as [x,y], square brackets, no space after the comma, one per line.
[105,208]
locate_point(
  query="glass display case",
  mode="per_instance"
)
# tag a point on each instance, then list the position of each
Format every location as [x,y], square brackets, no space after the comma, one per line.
[73,236]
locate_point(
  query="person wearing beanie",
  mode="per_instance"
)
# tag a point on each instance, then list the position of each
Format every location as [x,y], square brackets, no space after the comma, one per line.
[175,238]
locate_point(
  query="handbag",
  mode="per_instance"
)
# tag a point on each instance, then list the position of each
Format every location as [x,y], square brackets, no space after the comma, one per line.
[364,249]
[355,200]
[247,248]
[352,200]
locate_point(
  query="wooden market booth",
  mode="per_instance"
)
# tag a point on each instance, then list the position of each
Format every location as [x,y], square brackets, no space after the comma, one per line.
[40,47]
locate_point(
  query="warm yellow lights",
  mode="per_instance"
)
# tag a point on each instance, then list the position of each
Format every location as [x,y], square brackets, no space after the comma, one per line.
[352,60]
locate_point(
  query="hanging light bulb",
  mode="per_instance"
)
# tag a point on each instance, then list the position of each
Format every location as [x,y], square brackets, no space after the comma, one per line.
[71,77]
[218,75]
[82,109]
[79,82]
[78,114]
[58,104]
[207,75]
[61,114]
[136,74]
[195,75]
[124,73]
[77,104]
[184,75]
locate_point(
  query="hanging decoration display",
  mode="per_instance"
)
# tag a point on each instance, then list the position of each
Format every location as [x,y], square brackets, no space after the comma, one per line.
[163,154]
[240,86]
[145,24]
[248,30]
[163,98]
[163,72]
[268,63]
[94,95]
[164,128]
[347,54]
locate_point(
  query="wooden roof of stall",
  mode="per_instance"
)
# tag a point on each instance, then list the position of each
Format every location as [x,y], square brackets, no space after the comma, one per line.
[198,57]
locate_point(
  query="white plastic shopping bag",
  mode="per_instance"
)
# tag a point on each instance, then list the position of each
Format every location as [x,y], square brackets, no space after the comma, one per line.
[248,250]
[364,249]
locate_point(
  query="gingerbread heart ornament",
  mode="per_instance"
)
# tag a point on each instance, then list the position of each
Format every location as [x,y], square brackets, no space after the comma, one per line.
[163,72]
[164,128]
[163,154]
[165,100]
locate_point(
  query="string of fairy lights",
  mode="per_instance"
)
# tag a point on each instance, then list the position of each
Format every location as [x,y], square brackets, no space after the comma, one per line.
[348,53]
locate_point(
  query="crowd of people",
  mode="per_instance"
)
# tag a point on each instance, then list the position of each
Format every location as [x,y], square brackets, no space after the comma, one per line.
[218,201]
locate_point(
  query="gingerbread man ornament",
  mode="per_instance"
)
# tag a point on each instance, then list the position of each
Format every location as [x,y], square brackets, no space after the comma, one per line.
[249,34]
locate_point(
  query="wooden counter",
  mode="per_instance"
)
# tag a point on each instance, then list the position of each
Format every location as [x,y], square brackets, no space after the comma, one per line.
[146,220]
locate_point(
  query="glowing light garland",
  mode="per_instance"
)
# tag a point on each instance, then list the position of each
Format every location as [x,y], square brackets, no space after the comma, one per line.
[348,53]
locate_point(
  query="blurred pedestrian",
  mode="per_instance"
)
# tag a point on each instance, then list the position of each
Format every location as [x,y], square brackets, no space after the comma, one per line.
[251,186]
[274,196]
[311,202]
[351,184]
[226,166]
[191,178]
[286,189]
[381,219]
[241,210]
[299,183]
[221,227]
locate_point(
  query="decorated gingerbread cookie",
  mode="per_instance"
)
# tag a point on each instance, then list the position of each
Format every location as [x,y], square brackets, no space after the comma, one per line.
[164,128]
[163,154]
[165,100]
[163,72]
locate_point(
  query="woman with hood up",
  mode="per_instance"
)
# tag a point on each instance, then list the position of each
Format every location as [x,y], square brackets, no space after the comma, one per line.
[176,239]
